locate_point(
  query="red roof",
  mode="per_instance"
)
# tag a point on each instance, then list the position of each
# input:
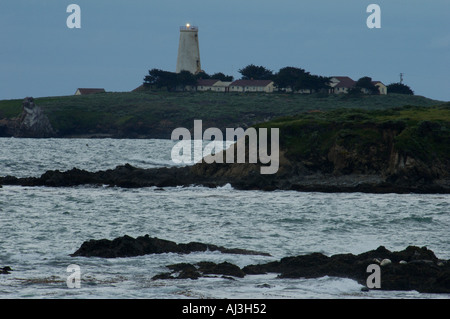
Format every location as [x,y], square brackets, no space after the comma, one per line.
[344,82]
[251,83]
[206,82]
[91,91]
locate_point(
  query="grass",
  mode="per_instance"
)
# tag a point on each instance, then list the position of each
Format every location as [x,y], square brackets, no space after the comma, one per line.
[146,113]
[417,131]
[10,108]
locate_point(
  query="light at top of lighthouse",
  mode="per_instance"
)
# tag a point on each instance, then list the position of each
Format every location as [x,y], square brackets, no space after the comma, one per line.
[188,25]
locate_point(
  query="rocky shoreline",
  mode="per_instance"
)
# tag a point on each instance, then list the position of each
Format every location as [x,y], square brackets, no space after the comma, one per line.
[330,152]
[127,246]
[239,176]
[414,268]
[411,269]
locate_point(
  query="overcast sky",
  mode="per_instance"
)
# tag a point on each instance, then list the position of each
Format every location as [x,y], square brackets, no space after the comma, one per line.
[119,41]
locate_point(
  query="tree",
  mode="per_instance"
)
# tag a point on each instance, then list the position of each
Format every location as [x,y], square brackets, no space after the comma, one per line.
[222,77]
[315,83]
[256,73]
[399,88]
[298,79]
[365,83]
[160,78]
[169,80]
[202,75]
[289,77]
[186,78]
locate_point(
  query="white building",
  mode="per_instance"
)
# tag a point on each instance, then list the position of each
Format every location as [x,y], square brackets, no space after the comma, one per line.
[266,86]
[341,84]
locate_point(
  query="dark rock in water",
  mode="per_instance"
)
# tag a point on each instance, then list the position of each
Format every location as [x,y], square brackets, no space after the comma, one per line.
[414,268]
[201,269]
[5,270]
[224,268]
[186,271]
[423,271]
[163,276]
[243,178]
[127,246]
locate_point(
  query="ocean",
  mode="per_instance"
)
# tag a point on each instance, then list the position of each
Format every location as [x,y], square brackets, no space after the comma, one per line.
[41,226]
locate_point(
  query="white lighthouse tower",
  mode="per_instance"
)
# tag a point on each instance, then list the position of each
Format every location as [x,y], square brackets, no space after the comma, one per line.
[188,50]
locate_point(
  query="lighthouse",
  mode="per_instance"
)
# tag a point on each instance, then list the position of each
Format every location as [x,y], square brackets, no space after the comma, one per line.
[188,50]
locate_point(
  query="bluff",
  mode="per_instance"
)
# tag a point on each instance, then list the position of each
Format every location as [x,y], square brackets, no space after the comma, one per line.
[400,150]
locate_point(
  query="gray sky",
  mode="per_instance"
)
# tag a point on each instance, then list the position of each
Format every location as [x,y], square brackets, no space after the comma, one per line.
[119,41]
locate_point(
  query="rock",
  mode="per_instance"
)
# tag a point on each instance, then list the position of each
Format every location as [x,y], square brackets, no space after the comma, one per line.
[201,269]
[186,271]
[189,274]
[33,122]
[422,275]
[127,246]
[224,268]
[422,271]
[385,262]
[239,176]
[5,270]
[163,276]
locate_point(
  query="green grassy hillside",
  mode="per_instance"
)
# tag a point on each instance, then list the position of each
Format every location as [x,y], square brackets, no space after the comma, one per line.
[156,114]
[367,139]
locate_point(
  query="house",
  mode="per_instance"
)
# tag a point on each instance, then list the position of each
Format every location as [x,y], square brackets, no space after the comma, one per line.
[266,86]
[341,84]
[221,86]
[381,87]
[89,91]
[213,85]
[206,84]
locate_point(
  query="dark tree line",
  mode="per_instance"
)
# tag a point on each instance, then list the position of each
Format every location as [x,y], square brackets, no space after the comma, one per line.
[253,72]
[291,78]
[287,78]
[171,80]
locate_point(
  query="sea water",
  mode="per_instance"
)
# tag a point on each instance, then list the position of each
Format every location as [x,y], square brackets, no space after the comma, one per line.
[41,226]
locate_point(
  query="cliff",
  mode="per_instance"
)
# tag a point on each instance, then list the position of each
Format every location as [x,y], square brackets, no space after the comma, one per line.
[399,150]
